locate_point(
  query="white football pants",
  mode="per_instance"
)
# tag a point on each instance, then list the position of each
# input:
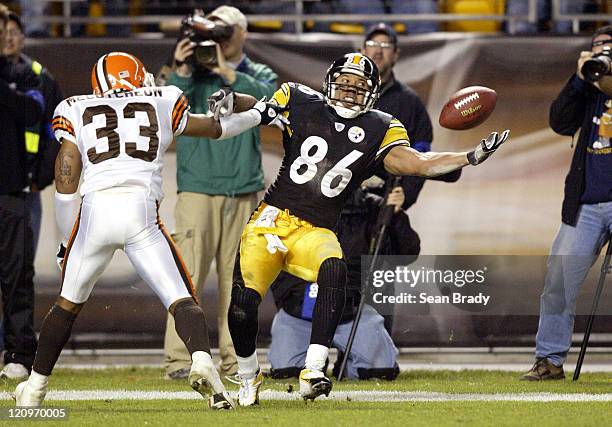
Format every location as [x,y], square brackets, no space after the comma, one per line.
[122,218]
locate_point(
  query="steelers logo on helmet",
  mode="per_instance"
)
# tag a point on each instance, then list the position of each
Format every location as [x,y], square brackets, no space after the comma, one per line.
[352,85]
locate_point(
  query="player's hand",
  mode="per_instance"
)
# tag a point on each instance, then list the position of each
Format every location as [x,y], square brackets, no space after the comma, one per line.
[223,69]
[221,103]
[487,147]
[61,254]
[396,199]
[584,56]
[184,49]
[271,114]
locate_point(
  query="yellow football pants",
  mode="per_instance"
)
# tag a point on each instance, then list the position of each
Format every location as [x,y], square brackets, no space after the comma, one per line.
[308,246]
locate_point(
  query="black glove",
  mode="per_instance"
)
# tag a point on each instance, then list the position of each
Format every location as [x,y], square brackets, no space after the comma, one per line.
[271,113]
[61,254]
[487,147]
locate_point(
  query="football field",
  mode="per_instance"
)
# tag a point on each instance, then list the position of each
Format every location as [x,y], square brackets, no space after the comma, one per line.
[140,396]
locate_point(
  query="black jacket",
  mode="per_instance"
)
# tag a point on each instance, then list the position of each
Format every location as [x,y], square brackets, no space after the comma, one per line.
[20,106]
[43,162]
[574,109]
[405,105]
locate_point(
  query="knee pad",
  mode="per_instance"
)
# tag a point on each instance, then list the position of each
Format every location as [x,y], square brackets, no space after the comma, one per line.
[245,302]
[332,273]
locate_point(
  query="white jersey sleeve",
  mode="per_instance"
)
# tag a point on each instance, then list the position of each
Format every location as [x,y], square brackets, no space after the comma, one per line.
[180,108]
[63,122]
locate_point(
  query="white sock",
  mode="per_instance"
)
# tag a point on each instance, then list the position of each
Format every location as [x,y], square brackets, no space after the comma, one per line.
[316,357]
[248,366]
[201,358]
[38,381]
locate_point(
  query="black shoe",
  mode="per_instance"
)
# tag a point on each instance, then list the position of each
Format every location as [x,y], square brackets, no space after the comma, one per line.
[543,369]
[221,401]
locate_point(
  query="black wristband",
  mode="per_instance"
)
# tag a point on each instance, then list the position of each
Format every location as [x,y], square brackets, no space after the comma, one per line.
[179,63]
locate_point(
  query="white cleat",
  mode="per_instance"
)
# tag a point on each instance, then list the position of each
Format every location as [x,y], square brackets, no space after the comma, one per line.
[313,384]
[204,379]
[27,396]
[14,371]
[248,395]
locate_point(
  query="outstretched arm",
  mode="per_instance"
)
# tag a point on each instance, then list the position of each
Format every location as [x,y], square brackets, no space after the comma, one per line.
[402,160]
[243,102]
[202,125]
[407,161]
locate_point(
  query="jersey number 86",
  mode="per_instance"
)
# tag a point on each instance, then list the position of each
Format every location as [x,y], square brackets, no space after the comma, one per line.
[340,169]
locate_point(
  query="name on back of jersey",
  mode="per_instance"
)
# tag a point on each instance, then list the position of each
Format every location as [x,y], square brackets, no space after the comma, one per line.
[145,91]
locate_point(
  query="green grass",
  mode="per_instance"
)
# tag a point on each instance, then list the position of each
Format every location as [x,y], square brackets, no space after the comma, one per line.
[182,413]
[440,381]
[296,413]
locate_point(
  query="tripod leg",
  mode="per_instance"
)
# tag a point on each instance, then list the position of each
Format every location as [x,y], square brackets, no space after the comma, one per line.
[585,341]
[349,344]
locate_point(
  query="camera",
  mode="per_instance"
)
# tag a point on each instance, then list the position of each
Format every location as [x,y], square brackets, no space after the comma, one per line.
[205,34]
[598,66]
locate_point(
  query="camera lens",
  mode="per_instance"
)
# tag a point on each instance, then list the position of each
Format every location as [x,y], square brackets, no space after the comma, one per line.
[205,54]
[594,69]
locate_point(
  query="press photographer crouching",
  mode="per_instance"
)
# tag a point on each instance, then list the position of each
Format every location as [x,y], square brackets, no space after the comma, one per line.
[373,354]
[217,183]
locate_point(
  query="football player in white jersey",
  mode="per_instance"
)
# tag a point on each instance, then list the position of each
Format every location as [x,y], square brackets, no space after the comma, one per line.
[117,138]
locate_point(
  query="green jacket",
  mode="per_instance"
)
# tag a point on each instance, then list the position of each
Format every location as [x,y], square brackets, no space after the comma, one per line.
[232,166]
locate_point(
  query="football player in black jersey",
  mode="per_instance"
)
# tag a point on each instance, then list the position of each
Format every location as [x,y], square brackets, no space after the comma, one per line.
[334,141]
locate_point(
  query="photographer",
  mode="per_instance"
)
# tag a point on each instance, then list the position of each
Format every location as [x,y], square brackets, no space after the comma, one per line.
[21,105]
[584,103]
[373,354]
[217,183]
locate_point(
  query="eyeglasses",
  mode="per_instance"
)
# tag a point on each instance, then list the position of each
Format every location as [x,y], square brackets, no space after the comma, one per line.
[13,33]
[382,45]
[601,42]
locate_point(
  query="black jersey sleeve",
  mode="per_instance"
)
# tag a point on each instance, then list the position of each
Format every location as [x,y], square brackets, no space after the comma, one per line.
[396,135]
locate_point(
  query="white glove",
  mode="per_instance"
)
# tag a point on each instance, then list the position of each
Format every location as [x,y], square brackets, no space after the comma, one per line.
[267,219]
[271,113]
[487,147]
[221,103]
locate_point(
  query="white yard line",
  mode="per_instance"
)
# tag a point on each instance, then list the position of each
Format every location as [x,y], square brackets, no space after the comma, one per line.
[354,395]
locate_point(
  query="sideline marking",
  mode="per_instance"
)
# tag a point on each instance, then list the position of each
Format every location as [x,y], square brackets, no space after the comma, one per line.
[354,395]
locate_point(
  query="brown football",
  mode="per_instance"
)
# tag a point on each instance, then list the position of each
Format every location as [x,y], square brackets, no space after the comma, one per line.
[468,108]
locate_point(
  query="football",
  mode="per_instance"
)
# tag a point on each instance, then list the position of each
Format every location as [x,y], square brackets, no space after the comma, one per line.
[468,108]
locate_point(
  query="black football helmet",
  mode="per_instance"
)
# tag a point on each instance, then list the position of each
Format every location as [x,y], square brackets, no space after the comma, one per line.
[358,64]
